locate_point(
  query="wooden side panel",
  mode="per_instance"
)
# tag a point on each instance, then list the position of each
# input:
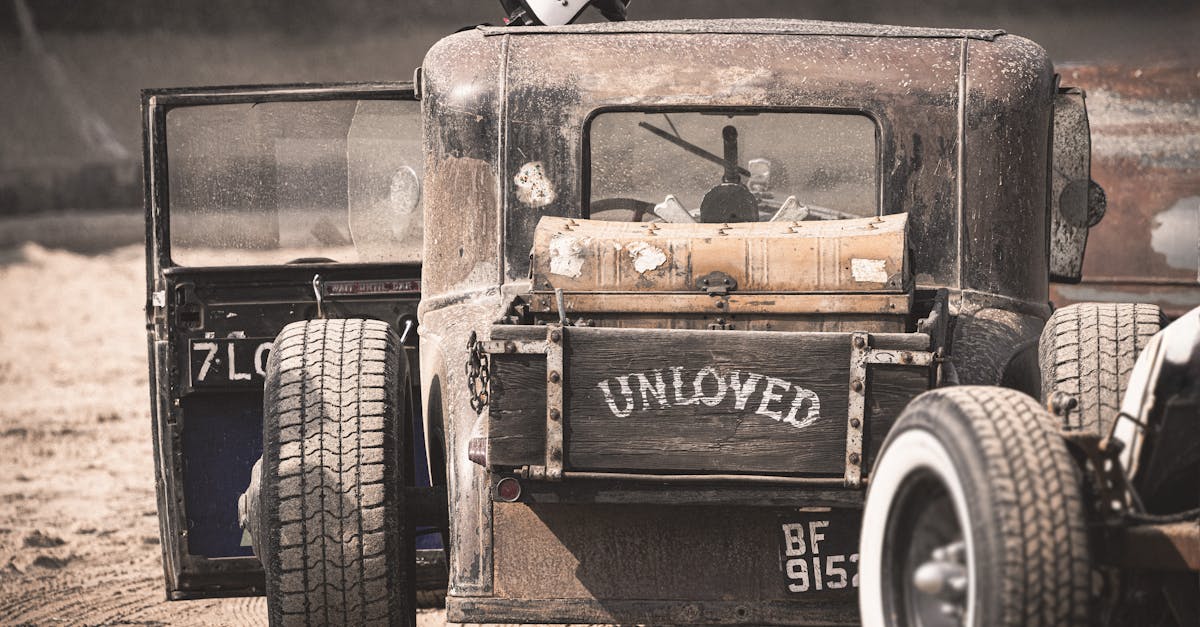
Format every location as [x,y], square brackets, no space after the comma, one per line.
[517,423]
[697,401]
[889,389]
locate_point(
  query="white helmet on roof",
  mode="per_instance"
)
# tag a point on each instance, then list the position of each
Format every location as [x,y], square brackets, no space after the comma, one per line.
[559,12]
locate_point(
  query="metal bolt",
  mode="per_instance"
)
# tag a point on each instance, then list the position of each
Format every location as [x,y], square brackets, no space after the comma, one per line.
[555,336]
[556,455]
[555,415]
[859,342]
[1061,403]
[854,458]
[906,357]
[855,423]
[554,376]
[720,304]
[510,347]
[856,385]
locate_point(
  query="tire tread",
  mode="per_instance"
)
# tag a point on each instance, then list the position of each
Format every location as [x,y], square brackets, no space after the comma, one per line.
[1088,350]
[1036,504]
[333,476]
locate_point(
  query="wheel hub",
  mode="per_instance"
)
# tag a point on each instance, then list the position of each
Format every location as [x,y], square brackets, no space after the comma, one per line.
[944,577]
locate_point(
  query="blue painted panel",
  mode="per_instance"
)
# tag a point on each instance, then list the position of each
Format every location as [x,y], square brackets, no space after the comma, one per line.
[426,537]
[222,438]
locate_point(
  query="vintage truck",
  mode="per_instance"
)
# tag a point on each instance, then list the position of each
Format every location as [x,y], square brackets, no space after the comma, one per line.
[680,285]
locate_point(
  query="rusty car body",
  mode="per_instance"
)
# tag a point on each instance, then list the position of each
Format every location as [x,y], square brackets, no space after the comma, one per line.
[566,507]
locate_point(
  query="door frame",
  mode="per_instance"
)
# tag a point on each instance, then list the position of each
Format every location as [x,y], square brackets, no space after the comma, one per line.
[194,576]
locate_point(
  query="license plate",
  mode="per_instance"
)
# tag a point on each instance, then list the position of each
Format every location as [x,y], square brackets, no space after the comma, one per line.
[819,550]
[224,362]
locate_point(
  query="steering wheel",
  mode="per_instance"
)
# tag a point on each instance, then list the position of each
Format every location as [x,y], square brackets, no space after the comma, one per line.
[303,260]
[639,209]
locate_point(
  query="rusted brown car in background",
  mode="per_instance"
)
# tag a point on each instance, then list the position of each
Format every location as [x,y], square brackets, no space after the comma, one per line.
[1146,155]
[730,322]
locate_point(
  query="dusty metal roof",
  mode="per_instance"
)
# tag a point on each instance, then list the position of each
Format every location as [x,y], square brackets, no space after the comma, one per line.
[746,27]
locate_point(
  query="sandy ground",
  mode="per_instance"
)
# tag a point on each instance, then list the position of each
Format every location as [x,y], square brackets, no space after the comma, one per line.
[78,527]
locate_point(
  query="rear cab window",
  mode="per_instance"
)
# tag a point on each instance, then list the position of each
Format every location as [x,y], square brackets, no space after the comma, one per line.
[826,162]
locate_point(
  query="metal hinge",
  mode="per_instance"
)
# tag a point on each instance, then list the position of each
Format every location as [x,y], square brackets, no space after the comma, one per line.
[552,348]
[861,356]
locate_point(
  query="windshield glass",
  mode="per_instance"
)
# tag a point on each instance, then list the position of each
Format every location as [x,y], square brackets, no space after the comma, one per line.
[279,182]
[693,166]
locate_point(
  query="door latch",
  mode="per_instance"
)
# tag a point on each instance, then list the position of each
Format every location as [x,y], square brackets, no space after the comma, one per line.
[716,283]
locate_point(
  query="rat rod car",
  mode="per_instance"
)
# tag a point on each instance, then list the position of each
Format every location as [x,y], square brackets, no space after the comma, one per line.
[697,299]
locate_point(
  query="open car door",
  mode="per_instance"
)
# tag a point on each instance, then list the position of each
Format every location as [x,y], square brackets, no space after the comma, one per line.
[264,206]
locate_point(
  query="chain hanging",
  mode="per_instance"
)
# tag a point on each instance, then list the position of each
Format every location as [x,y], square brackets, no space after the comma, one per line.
[478,373]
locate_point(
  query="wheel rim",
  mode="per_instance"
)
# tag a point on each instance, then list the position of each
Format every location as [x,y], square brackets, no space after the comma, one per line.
[925,574]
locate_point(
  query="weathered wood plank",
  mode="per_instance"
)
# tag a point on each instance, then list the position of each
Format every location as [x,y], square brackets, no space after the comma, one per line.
[889,389]
[517,409]
[529,333]
[706,401]
[628,493]
[696,401]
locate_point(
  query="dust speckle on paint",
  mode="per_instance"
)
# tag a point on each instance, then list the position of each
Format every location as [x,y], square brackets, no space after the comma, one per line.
[566,256]
[868,270]
[646,257]
[533,188]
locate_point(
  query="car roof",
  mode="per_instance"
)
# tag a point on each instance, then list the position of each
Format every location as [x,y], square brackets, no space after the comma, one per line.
[748,27]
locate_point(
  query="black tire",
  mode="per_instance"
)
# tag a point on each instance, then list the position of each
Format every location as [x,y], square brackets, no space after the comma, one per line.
[1087,350]
[1006,477]
[338,548]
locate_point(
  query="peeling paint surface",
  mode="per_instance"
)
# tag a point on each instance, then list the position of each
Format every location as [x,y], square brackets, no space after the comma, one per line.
[1163,296]
[868,270]
[646,257]
[1176,233]
[533,187]
[566,256]
[1146,156]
